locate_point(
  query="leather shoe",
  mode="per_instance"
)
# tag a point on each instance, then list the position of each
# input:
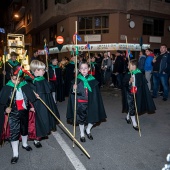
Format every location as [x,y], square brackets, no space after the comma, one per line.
[14,160]
[136,128]
[37,145]
[27,148]
[128,121]
[82,139]
[89,135]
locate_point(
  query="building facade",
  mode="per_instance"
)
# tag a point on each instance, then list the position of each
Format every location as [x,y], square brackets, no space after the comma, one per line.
[107,21]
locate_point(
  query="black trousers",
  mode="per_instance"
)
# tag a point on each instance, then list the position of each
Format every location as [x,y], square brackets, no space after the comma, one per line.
[18,124]
[82,113]
[131,105]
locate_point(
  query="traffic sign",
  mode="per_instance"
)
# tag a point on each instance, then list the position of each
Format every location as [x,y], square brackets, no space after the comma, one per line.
[60,40]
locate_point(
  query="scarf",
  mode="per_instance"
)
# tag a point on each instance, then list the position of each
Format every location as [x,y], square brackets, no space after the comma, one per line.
[40,78]
[135,71]
[93,63]
[53,66]
[85,81]
[13,63]
[71,62]
[21,84]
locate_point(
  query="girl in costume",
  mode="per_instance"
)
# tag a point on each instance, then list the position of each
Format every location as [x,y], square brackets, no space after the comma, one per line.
[90,108]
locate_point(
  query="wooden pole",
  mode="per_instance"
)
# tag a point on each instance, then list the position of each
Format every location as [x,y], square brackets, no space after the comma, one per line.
[73,138]
[75,90]
[46,54]
[136,109]
[4,65]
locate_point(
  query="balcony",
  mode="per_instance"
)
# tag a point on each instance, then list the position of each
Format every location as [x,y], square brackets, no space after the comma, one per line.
[20,27]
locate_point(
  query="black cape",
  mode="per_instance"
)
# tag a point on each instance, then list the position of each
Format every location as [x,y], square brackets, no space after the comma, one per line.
[59,83]
[4,97]
[69,76]
[45,121]
[96,111]
[144,101]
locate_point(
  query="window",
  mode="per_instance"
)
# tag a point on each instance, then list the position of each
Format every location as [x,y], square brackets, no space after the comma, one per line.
[153,26]
[93,25]
[168,1]
[43,5]
[62,1]
[29,19]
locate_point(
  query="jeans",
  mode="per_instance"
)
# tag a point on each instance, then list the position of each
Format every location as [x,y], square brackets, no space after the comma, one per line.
[157,77]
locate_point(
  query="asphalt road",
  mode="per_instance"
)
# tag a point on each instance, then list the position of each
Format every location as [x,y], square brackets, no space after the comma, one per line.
[116,145]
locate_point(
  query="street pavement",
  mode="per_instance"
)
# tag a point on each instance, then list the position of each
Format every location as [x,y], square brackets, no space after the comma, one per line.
[116,145]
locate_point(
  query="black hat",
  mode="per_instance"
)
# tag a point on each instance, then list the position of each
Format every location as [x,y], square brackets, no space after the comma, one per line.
[118,51]
[14,54]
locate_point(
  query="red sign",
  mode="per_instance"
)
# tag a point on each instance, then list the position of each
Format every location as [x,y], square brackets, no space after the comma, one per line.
[60,40]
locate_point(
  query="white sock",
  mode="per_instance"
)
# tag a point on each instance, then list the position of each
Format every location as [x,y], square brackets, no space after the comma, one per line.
[53,94]
[128,117]
[24,140]
[36,141]
[133,118]
[81,130]
[89,126]
[14,145]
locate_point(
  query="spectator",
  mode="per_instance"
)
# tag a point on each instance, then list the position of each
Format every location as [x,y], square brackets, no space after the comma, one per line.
[141,61]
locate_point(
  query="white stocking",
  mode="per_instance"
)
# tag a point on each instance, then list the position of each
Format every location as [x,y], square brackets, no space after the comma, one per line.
[14,145]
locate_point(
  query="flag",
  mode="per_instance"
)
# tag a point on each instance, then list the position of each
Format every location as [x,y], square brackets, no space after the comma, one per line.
[46,49]
[128,53]
[87,46]
[74,38]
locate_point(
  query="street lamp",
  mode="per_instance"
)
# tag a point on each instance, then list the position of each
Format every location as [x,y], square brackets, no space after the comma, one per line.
[16,16]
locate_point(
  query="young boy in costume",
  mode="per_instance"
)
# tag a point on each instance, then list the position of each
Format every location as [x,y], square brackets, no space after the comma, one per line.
[18,112]
[90,108]
[45,121]
[134,83]
[56,81]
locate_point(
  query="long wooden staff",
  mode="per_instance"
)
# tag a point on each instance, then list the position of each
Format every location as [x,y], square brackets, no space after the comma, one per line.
[4,65]
[136,109]
[46,56]
[73,138]
[75,90]
[89,55]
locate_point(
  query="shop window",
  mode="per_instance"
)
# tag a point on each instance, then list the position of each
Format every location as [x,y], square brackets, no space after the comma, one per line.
[93,25]
[153,26]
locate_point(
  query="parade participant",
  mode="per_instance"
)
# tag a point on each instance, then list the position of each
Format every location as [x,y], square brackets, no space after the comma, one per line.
[90,108]
[1,74]
[18,112]
[45,122]
[136,84]
[56,81]
[12,62]
[69,75]
[95,70]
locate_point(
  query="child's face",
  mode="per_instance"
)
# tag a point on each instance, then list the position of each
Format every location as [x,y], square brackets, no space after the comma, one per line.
[84,69]
[39,72]
[13,58]
[55,62]
[93,59]
[14,80]
[131,67]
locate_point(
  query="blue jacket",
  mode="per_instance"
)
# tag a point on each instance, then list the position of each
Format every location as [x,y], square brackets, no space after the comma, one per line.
[148,63]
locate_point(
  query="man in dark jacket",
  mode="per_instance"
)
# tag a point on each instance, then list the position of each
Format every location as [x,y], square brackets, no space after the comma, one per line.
[161,66]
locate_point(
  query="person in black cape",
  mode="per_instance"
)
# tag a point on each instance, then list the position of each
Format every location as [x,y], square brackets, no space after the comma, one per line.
[69,75]
[56,81]
[17,123]
[45,121]
[136,84]
[11,63]
[90,108]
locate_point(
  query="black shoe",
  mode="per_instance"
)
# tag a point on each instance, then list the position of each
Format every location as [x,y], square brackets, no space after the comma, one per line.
[128,121]
[37,145]
[164,99]
[136,128]
[89,135]
[82,139]
[27,148]
[14,160]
